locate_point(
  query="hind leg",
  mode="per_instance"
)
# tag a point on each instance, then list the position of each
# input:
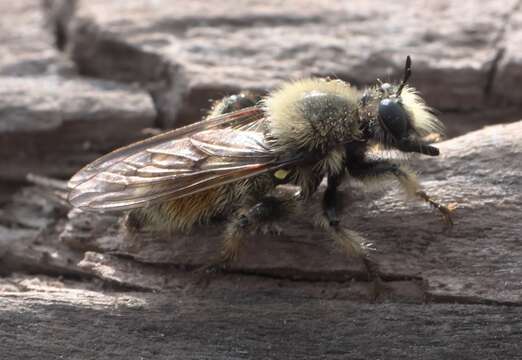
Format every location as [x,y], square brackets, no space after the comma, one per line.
[248,219]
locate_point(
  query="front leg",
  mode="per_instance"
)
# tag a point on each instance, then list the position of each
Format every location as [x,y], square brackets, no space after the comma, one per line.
[371,170]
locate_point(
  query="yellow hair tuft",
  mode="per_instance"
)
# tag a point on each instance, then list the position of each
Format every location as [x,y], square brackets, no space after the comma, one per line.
[424,121]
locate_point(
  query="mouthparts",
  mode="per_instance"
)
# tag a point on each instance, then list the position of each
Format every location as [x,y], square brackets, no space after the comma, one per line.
[409,145]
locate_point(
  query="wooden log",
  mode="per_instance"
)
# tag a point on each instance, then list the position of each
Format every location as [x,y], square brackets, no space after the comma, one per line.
[478,260]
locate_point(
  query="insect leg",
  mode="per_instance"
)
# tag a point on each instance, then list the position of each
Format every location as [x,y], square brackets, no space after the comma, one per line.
[444,210]
[250,218]
[331,201]
[233,103]
[134,221]
[406,177]
[352,243]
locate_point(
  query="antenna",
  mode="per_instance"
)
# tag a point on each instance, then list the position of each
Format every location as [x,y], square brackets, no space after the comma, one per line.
[407,74]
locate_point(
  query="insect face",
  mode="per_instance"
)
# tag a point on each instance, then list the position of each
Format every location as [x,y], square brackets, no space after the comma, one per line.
[397,117]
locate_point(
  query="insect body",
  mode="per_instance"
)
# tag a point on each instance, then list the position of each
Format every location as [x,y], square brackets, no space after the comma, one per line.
[231,163]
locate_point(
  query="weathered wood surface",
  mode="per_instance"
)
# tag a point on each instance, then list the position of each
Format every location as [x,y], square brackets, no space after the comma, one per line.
[292,296]
[463,51]
[479,259]
[48,319]
[53,126]
[174,57]
[52,120]
[476,261]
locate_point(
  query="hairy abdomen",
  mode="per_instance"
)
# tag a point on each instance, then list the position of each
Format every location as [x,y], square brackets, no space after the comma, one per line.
[183,213]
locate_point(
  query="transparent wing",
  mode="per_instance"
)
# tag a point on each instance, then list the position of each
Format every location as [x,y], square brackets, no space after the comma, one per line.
[178,163]
[236,119]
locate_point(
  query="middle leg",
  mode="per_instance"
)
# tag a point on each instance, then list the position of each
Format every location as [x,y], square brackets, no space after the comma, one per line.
[352,243]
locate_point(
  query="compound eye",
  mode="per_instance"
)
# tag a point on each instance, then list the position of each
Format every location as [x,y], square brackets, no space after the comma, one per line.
[394,118]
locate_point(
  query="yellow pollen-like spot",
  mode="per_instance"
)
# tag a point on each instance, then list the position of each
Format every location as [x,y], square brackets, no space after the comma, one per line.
[281,174]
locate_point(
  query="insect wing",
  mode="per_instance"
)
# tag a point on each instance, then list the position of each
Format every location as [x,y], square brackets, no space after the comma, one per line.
[179,163]
[237,119]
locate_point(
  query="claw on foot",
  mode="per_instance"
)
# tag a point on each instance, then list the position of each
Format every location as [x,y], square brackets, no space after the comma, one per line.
[378,288]
[446,211]
[214,267]
[271,229]
[207,272]
[372,269]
